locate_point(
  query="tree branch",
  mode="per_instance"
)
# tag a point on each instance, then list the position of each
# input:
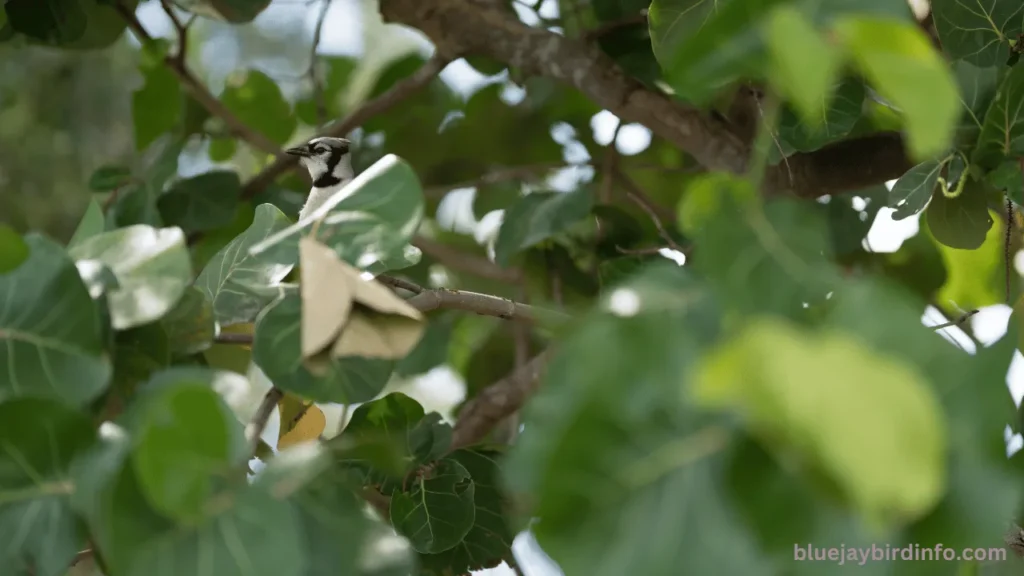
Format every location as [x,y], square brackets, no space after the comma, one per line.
[464,28]
[254,430]
[194,87]
[397,93]
[483,304]
[314,76]
[496,402]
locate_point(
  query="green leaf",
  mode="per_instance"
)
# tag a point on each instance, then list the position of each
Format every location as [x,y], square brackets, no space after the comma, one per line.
[238,283]
[39,437]
[92,224]
[687,37]
[977,89]
[13,249]
[660,462]
[437,512]
[339,537]
[805,65]
[836,118]
[184,436]
[257,101]
[277,350]
[976,277]
[152,268]
[1002,131]
[537,217]
[960,222]
[156,106]
[203,202]
[52,22]
[107,178]
[247,533]
[51,330]
[978,32]
[222,149]
[139,353]
[1009,179]
[781,247]
[907,450]
[373,220]
[914,189]
[899,60]
[190,325]
[489,542]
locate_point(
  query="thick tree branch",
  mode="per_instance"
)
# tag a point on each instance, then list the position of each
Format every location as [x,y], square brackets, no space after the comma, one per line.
[397,93]
[459,27]
[496,402]
[194,87]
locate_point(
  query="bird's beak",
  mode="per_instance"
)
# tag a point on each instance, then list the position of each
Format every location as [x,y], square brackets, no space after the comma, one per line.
[297,152]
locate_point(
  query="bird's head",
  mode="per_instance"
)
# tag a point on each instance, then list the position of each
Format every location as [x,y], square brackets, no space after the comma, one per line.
[327,159]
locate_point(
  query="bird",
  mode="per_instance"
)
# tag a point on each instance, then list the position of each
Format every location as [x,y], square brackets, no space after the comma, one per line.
[329,163]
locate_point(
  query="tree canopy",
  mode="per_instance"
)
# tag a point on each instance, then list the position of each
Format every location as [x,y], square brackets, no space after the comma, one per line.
[684,358]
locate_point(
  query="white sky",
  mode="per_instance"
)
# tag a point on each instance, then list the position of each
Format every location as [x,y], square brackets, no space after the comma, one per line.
[343,34]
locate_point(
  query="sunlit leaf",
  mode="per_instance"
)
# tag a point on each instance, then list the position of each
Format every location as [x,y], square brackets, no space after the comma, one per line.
[893,474]
[152,268]
[372,219]
[914,189]
[240,284]
[902,65]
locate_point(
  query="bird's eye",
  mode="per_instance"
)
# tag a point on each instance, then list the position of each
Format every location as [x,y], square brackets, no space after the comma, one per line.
[320,150]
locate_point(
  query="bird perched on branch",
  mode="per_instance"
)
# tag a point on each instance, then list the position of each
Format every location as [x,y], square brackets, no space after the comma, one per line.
[330,166]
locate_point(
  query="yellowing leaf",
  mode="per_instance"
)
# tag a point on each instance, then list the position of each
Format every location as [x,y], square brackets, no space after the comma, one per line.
[326,298]
[300,422]
[868,421]
[350,315]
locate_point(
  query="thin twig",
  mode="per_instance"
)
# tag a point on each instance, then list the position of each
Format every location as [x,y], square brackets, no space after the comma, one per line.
[232,338]
[254,430]
[483,304]
[957,322]
[397,93]
[638,197]
[444,299]
[314,77]
[196,89]
[609,166]
[649,251]
[400,283]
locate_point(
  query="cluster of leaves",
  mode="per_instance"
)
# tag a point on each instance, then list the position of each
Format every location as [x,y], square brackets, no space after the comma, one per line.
[777,390]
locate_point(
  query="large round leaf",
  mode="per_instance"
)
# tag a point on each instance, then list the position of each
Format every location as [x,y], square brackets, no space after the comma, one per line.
[50,329]
[38,440]
[152,268]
